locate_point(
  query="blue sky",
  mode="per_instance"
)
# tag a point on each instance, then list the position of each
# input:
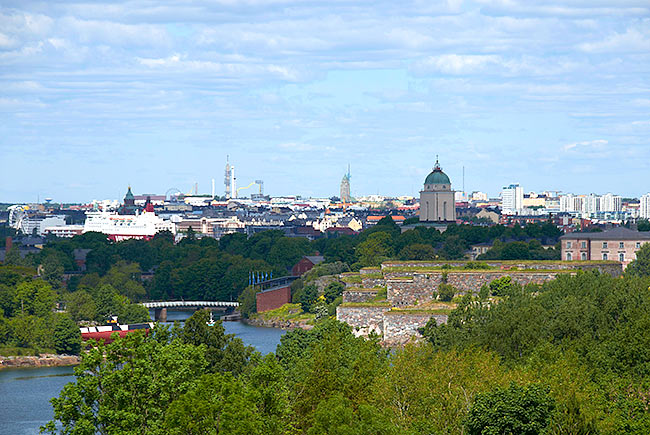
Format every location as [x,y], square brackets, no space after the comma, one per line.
[96,95]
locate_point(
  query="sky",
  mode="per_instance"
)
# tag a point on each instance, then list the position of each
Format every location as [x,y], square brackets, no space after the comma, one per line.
[96,95]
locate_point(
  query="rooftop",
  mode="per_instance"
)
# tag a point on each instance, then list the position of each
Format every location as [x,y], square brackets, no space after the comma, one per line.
[618,233]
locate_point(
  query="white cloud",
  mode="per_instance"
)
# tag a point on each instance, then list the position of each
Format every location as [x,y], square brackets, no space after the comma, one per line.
[597,144]
[6,41]
[296,146]
[632,40]
[455,63]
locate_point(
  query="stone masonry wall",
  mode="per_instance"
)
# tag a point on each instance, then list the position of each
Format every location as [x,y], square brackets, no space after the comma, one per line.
[373,282]
[401,327]
[613,268]
[370,270]
[472,282]
[363,319]
[359,295]
[401,292]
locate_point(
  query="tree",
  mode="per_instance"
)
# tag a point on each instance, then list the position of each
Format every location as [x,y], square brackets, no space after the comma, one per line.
[66,336]
[523,410]
[427,391]
[110,303]
[453,248]
[13,257]
[223,352]
[81,306]
[375,249]
[418,251]
[127,386]
[125,277]
[501,286]
[287,251]
[643,225]
[640,266]
[307,297]
[217,404]
[35,297]
[333,291]
[53,270]
[248,302]
[336,416]
[446,292]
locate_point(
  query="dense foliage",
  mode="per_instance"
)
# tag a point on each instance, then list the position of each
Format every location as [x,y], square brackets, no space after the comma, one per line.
[590,328]
[27,319]
[568,357]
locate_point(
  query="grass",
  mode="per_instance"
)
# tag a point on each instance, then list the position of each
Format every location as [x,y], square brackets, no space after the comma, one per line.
[285,312]
[352,279]
[382,294]
[372,276]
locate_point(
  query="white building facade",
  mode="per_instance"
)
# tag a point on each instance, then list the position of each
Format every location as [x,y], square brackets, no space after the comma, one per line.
[644,209]
[512,199]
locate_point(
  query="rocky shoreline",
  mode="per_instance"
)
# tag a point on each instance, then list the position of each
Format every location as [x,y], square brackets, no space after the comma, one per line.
[44,360]
[278,323]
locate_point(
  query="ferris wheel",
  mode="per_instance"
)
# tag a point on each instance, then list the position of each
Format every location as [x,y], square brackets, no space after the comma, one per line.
[16,215]
[172,193]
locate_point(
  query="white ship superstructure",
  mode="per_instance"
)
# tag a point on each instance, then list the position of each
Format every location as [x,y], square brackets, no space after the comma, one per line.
[122,227]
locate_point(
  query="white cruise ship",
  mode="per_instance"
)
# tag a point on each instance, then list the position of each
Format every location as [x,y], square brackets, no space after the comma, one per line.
[122,227]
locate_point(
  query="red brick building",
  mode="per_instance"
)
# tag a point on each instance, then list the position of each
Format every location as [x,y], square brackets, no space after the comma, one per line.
[271,299]
[305,264]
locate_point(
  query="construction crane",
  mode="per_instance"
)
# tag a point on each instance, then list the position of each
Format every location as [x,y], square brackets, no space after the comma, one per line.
[258,182]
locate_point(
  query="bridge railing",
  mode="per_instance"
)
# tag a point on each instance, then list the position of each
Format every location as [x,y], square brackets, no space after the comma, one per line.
[172,304]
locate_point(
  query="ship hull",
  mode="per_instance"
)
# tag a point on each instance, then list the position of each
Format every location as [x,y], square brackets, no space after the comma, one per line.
[105,333]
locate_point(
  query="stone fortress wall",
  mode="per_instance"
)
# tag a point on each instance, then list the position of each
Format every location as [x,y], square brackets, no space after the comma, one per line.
[410,284]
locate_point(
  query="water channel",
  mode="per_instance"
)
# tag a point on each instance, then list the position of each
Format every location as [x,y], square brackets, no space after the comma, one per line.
[25,393]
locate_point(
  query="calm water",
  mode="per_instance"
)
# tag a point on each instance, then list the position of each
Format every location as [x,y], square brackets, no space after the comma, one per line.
[25,393]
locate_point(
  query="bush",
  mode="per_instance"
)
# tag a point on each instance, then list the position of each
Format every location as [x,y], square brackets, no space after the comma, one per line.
[501,286]
[446,292]
[333,291]
[308,297]
[248,302]
[476,265]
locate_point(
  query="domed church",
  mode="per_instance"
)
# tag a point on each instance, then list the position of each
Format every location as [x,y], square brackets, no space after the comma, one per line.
[437,202]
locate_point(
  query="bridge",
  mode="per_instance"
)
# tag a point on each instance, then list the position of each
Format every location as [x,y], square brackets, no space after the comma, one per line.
[160,308]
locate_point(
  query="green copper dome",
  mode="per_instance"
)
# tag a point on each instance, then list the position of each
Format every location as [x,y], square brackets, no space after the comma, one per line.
[437,176]
[129,194]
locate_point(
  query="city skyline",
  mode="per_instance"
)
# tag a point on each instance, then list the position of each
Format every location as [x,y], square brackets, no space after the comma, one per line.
[96,93]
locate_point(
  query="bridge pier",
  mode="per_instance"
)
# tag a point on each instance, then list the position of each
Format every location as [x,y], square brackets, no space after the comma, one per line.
[160,314]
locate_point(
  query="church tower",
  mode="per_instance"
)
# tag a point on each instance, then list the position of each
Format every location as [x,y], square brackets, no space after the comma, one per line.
[345,188]
[437,202]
